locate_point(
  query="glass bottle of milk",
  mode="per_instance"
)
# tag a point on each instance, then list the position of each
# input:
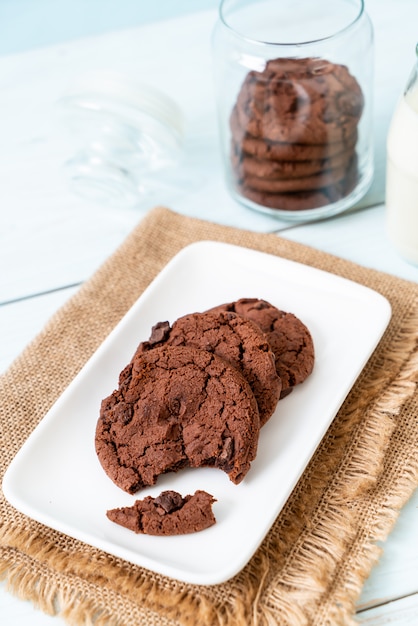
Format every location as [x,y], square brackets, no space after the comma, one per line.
[402,173]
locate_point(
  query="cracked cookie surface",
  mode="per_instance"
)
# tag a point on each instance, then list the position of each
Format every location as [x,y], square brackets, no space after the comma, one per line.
[288,336]
[176,407]
[235,338]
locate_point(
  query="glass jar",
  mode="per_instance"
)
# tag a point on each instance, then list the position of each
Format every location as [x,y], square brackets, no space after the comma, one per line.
[293,84]
[402,172]
[122,134]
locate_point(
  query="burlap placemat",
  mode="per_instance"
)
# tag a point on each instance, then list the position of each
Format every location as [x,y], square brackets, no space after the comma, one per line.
[311,567]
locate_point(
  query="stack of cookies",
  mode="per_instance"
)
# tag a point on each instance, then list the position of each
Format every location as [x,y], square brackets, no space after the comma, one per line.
[196,394]
[294,134]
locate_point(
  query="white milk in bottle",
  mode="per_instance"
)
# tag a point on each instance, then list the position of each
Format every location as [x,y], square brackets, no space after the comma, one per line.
[402,173]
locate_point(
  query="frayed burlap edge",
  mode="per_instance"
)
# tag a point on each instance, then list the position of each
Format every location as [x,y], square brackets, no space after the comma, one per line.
[307,571]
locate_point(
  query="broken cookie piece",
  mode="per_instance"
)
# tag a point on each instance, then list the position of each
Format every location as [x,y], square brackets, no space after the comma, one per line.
[168,514]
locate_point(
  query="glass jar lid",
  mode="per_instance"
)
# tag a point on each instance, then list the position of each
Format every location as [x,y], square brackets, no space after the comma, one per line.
[122,131]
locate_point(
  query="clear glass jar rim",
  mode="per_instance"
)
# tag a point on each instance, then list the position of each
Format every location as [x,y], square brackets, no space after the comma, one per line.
[121,92]
[348,26]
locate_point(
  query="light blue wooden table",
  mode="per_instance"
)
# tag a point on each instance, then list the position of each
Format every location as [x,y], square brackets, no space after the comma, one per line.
[51,240]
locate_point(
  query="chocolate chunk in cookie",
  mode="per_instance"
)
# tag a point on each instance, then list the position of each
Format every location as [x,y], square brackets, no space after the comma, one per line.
[289,338]
[235,338]
[177,407]
[168,514]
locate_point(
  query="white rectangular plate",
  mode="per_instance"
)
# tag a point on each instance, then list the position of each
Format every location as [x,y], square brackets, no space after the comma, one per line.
[56,477]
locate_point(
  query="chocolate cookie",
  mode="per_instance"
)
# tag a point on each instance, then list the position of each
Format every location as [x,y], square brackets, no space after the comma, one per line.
[289,338]
[306,183]
[303,199]
[176,407]
[296,201]
[168,514]
[263,148]
[236,339]
[267,169]
[303,101]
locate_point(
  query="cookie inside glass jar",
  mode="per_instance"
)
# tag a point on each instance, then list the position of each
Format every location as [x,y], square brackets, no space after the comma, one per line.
[294,131]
